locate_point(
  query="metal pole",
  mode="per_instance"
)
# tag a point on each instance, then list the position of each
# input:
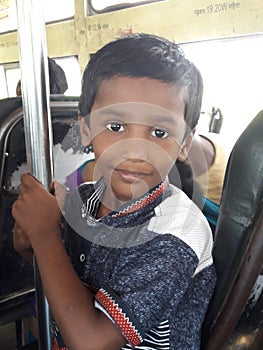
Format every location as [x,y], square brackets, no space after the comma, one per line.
[37,121]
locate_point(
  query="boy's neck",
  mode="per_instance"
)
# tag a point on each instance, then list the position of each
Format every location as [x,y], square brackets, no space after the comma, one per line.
[102,211]
[108,204]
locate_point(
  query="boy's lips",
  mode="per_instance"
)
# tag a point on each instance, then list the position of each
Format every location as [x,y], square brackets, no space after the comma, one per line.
[130,175]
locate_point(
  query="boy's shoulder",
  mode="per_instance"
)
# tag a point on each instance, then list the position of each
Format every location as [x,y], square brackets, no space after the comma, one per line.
[178,205]
[179,216]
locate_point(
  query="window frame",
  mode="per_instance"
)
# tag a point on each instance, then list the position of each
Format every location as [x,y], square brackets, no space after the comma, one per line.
[119,6]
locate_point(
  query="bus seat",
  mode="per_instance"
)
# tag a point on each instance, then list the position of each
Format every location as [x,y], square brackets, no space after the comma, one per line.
[10,114]
[238,237]
[16,289]
[16,276]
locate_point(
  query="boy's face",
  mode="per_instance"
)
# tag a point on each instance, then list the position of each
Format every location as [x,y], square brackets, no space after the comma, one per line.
[137,129]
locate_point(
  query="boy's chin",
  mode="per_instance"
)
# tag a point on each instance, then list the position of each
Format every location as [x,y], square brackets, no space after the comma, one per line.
[132,191]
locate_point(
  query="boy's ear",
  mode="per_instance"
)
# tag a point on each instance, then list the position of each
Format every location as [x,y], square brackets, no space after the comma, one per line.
[185,146]
[84,131]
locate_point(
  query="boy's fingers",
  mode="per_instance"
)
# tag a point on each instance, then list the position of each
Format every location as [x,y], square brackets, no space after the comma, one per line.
[55,187]
[28,175]
[52,185]
[14,210]
[58,186]
[28,182]
[17,228]
[52,188]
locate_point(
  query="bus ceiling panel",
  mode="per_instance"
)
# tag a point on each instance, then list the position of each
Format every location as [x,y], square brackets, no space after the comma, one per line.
[178,21]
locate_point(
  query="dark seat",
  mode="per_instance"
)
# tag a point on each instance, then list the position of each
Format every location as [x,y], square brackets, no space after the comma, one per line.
[16,276]
[238,249]
[12,157]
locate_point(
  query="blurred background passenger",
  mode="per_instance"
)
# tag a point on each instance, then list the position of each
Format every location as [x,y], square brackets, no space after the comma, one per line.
[57,79]
[209,174]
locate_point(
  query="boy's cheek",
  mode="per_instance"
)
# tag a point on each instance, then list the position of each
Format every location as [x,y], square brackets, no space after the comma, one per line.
[163,167]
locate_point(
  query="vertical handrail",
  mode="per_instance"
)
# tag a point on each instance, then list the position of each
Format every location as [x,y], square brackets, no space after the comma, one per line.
[37,121]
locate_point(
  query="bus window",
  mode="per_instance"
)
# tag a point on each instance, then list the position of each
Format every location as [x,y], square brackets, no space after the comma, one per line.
[70,65]
[104,5]
[53,12]
[233,73]
[10,75]
[3,84]
[7,16]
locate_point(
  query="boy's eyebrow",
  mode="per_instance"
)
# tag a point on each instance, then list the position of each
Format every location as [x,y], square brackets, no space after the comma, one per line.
[170,119]
[110,110]
[150,119]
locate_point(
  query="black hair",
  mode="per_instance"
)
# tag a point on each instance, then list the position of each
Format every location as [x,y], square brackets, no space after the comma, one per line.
[57,78]
[143,56]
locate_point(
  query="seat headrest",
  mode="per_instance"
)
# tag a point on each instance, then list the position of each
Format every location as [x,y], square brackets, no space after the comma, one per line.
[7,105]
[243,186]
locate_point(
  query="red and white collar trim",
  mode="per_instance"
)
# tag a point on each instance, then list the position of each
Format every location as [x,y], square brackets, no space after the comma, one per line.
[144,201]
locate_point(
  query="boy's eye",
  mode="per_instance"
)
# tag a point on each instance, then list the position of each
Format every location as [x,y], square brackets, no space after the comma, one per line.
[115,127]
[159,133]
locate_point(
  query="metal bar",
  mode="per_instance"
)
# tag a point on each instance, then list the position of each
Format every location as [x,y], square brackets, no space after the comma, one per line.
[37,121]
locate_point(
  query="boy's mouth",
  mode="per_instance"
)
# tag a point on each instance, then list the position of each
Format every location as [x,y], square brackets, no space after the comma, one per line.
[130,176]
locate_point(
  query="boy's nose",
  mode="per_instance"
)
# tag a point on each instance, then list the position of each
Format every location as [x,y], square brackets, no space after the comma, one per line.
[135,148]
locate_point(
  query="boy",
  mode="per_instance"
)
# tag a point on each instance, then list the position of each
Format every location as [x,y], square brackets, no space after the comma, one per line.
[140,273]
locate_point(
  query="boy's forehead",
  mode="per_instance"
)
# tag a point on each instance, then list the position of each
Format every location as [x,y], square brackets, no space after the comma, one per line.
[147,93]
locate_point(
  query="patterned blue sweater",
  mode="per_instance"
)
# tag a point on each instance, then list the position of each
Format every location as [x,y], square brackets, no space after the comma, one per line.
[149,264]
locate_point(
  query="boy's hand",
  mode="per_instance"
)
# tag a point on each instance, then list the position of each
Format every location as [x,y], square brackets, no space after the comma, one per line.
[60,192]
[36,211]
[20,240]
[22,244]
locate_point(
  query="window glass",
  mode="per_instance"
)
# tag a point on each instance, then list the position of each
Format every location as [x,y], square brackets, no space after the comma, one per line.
[9,77]
[100,5]
[70,65]
[232,72]
[3,86]
[7,16]
[55,10]
[12,78]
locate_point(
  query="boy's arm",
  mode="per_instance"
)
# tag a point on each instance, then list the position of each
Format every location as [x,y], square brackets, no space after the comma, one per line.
[72,305]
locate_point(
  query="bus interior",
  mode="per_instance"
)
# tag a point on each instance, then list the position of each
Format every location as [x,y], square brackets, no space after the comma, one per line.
[223,39]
